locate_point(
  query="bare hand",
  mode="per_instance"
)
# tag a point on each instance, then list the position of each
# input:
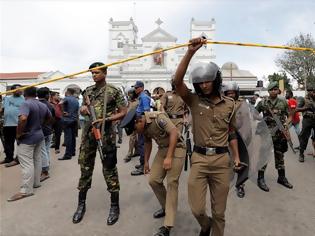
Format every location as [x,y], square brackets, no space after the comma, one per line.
[84,110]
[196,43]
[239,166]
[146,168]
[167,164]
[97,121]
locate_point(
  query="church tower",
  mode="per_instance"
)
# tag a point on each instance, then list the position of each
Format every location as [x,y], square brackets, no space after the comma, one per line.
[121,33]
[207,30]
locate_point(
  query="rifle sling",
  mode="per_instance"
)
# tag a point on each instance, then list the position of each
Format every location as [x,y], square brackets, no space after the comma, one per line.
[104,113]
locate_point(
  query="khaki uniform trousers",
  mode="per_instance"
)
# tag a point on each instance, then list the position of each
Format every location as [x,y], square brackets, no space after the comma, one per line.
[132,144]
[168,198]
[215,171]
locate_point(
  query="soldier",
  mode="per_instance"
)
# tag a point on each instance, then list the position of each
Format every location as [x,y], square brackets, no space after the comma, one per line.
[213,122]
[232,90]
[308,123]
[175,107]
[168,162]
[106,100]
[274,106]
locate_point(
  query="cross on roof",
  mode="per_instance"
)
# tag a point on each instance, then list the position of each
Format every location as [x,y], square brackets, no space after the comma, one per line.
[159,22]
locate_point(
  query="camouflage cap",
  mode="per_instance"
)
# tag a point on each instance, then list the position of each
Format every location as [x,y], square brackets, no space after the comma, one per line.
[273,85]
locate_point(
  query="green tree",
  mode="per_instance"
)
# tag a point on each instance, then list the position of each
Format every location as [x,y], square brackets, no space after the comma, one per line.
[299,64]
[279,76]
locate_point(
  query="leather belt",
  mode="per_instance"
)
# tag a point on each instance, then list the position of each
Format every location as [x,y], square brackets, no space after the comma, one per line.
[175,116]
[210,150]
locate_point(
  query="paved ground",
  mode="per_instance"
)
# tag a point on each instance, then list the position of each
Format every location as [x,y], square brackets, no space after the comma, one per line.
[280,212]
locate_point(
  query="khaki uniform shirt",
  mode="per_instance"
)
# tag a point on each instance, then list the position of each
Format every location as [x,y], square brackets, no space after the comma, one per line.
[173,104]
[158,126]
[212,122]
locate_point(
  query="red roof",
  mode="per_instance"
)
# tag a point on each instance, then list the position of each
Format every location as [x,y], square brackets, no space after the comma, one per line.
[20,75]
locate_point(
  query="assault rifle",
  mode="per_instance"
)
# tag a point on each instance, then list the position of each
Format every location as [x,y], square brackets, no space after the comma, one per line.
[96,127]
[188,146]
[283,130]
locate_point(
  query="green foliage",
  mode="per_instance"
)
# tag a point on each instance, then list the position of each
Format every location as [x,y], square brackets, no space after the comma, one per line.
[278,76]
[299,64]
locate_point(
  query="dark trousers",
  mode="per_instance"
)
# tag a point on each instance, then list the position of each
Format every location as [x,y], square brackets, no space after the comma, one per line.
[307,125]
[9,133]
[69,130]
[141,147]
[57,133]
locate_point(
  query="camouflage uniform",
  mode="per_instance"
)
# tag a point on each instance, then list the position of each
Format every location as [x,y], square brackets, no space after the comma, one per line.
[308,124]
[280,108]
[88,147]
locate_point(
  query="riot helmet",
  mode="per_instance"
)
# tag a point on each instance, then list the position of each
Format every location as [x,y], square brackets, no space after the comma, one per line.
[206,72]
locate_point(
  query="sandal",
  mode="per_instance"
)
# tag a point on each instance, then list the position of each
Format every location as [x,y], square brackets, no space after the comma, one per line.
[19,196]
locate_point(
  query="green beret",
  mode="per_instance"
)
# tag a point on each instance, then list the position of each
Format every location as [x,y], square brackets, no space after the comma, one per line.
[273,85]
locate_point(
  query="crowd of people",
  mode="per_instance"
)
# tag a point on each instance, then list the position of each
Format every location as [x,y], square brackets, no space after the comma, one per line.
[36,121]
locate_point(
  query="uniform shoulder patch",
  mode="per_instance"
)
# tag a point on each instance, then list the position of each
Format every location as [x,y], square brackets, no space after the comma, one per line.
[162,122]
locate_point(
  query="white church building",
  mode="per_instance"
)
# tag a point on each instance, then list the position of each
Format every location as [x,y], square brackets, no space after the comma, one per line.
[155,70]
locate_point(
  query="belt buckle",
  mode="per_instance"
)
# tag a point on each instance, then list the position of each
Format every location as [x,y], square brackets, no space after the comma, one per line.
[210,151]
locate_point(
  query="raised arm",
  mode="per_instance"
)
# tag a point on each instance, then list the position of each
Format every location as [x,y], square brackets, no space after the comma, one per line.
[181,87]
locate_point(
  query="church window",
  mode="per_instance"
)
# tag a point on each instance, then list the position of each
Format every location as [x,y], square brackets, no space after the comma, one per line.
[158,58]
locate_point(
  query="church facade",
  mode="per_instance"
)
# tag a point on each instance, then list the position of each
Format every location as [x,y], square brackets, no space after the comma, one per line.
[155,70]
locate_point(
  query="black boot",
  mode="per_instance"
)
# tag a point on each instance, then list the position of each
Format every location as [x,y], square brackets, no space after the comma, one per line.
[261,181]
[301,156]
[114,209]
[206,233]
[283,180]
[163,231]
[240,191]
[159,213]
[78,215]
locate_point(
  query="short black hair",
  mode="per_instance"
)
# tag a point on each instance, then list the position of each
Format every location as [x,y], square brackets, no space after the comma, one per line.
[289,92]
[14,86]
[43,92]
[30,92]
[53,93]
[71,91]
[97,64]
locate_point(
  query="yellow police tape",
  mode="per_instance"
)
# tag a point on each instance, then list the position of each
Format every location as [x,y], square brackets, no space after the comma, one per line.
[159,51]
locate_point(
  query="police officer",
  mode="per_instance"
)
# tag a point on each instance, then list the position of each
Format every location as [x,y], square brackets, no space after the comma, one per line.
[213,120]
[232,90]
[168,163]
[279,108]
[109,105]
[308,123]
[175,107]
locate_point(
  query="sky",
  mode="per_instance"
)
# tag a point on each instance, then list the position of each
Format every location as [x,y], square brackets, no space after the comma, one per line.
[68,35]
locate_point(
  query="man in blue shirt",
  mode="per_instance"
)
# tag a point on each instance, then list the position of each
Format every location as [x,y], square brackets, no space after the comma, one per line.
[30,137]
[11,106]
[69,120]
[143,105]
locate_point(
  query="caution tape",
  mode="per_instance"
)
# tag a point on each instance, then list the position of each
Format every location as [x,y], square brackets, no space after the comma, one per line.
[159,51]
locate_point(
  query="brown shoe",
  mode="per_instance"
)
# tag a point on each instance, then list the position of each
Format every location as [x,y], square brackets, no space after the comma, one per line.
[2,162]
[19,196]
[12,163]
[44,176]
